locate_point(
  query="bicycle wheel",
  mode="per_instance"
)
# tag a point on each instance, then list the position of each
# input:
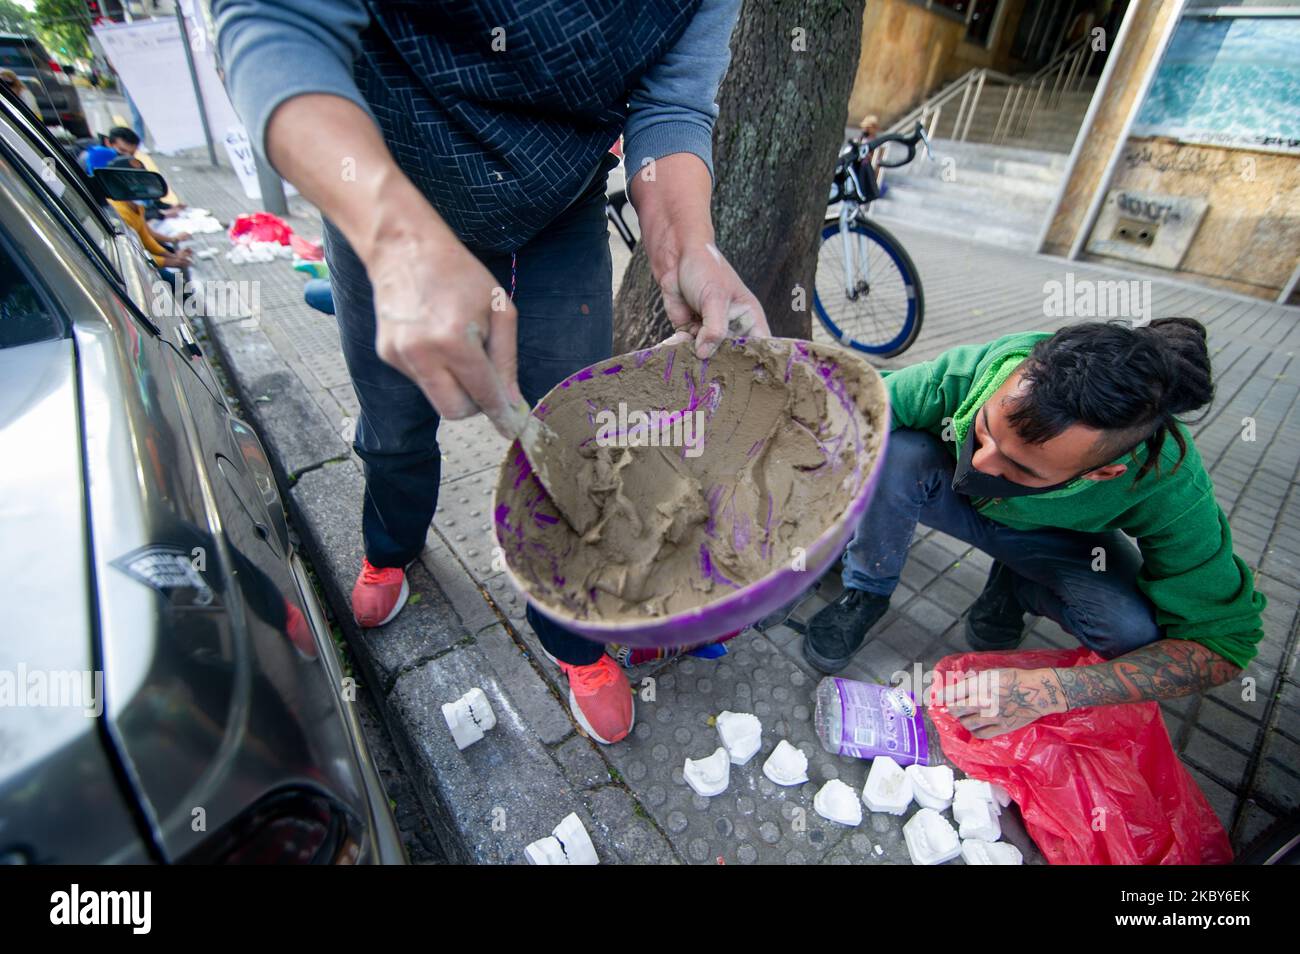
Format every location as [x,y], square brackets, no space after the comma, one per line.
[881,314]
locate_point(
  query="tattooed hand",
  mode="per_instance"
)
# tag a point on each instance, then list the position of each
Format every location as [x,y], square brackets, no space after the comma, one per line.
[1003,700]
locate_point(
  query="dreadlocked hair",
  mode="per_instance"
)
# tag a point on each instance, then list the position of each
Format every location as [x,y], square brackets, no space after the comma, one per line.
[1133,384]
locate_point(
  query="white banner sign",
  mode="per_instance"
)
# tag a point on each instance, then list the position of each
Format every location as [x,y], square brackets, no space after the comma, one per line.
[150,60]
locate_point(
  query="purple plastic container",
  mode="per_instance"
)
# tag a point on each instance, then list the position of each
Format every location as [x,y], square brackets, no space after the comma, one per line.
[526,518]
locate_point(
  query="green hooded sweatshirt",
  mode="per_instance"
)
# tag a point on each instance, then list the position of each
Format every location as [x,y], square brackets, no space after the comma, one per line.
[1201,590]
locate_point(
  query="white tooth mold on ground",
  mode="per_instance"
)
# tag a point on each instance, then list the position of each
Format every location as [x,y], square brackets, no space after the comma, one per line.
[568,844]
[968,788]
[786,765]
[1000,794]
[931,785]
[888,788]
[710,776]
[836,802]
[742,735]
[469,717]
[930,838]
[976,852]
[976,815]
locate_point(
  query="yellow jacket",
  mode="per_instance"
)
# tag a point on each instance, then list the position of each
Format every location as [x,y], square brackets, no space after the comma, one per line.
[132,214]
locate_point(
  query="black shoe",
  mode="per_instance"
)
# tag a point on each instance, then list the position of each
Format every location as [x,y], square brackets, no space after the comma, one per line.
[839,630]
[996,620]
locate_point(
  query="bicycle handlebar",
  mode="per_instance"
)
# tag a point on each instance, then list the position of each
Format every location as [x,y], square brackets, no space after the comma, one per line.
[910,140]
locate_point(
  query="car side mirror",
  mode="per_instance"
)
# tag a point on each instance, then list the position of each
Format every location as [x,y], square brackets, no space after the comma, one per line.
[131,185]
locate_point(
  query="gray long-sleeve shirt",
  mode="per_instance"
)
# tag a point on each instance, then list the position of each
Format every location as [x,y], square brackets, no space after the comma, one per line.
[274,50]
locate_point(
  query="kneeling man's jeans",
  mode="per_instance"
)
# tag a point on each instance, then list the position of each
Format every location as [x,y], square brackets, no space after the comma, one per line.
[1103,609]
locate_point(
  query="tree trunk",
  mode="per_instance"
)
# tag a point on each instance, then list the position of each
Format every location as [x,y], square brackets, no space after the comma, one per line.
[782,113]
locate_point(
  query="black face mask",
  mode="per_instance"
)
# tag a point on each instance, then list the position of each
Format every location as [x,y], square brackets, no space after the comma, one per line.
[967,480]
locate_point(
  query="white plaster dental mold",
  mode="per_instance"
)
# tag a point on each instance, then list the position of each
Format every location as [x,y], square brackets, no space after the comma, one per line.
[742,735]
[931,785]
[930,838]
[836,802]
[469,717]
[977,852]
[786,765]
[888,788]
[709,776]
[976,817]
[967,789]
[568,844]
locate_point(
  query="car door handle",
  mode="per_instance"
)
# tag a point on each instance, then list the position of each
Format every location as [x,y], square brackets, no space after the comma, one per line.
[188,344]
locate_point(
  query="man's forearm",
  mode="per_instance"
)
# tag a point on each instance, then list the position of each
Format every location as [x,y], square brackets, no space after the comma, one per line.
[348,172]
[673,208]
[1165,669]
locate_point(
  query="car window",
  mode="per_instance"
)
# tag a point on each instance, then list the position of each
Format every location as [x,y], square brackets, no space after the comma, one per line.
[56,179]
[15,56]
[24,319]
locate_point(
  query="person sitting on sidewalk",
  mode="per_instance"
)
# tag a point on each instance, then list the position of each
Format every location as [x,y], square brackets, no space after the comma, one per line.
[165,255]
[125,142]
[318,294]
[15,85]
[458,153]
[1045,451]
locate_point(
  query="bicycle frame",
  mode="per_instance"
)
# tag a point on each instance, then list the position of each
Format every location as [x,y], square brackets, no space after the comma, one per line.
[854,251]
[854,202]
[614,204]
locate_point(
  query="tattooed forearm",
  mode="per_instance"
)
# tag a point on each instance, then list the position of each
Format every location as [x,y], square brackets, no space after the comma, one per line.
[1166,669]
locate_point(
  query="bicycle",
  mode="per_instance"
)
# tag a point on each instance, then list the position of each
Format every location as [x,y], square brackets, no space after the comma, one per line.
[872,273]
[868,291]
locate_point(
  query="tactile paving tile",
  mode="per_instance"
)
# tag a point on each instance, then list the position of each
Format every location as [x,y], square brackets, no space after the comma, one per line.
[316,339]
[754,820]
[507,598]
[347,400]
[464,516]
[470,446]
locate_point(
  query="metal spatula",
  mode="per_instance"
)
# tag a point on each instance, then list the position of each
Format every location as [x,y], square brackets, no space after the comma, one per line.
[543,448]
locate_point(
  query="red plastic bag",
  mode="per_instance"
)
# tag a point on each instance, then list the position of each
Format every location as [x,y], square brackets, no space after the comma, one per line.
[260,227]
[1101,785]
[305,249]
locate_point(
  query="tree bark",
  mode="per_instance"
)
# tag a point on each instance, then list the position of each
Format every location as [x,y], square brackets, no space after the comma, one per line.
[782,111]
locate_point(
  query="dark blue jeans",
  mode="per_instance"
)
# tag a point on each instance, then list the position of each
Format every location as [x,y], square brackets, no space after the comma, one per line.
[563,292]
[1103,609]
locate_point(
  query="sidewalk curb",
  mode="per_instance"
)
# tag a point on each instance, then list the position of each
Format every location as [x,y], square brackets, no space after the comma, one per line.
[491,800]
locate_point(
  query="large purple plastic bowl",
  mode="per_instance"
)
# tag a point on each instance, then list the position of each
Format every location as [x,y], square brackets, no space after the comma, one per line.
[524,516]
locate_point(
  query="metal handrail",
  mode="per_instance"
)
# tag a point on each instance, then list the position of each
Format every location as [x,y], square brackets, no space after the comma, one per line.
[1021,101]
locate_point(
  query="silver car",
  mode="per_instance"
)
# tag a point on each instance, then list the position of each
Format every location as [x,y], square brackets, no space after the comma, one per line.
[169,691]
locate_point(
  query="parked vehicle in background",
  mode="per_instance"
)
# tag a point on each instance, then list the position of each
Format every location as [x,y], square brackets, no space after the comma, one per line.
[57,97]
[174,694]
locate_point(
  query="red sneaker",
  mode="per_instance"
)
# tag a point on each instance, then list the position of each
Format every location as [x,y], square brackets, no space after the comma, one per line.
[600,698]
[379,594]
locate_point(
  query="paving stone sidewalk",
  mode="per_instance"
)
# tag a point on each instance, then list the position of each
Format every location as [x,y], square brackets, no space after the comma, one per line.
[465,624]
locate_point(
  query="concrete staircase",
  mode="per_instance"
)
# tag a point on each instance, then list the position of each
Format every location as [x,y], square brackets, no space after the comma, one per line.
[994,192]
[1050,130]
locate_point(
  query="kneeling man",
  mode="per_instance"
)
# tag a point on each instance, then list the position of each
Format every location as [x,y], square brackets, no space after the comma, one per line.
[1048,452]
